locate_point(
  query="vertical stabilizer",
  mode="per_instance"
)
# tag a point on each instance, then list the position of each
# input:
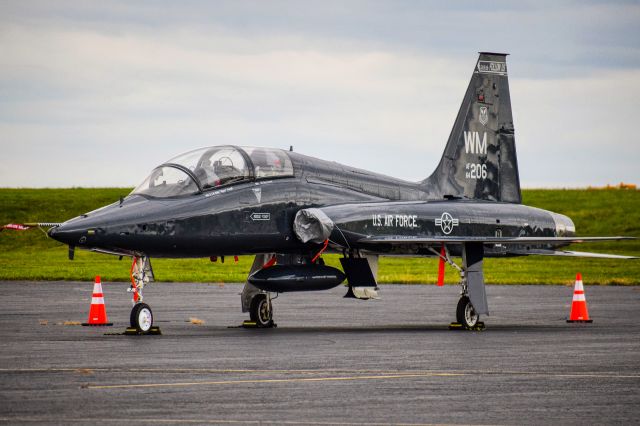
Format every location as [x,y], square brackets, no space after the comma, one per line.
[479,161]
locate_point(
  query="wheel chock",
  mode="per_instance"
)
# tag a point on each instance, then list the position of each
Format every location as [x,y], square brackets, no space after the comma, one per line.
[457,326]
[253,324]
[130,331]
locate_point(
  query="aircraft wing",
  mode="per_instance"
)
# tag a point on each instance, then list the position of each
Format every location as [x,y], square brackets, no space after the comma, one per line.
[435,241]
[567,253]
[400,239]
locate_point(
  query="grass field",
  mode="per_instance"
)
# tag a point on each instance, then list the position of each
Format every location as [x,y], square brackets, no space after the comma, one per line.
[30,255]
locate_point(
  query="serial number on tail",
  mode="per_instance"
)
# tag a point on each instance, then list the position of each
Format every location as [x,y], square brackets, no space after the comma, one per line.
[475,171]
[492,67]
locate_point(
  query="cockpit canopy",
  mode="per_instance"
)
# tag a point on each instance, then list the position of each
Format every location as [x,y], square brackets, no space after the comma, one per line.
[207,168]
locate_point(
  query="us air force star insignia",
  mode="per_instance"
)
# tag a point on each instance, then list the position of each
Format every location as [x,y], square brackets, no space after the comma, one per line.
[446,222]
[484,115]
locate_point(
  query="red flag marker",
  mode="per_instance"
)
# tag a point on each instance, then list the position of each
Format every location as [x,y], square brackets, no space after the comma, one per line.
[15,227]
[441,267]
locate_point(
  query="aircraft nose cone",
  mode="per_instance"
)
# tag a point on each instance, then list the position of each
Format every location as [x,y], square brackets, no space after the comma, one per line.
[52,232]
[66,235]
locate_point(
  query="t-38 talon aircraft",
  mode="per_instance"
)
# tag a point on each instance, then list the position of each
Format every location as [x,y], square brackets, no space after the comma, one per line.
[286,209]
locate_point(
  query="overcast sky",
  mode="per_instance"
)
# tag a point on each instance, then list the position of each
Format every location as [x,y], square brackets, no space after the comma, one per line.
[99,93]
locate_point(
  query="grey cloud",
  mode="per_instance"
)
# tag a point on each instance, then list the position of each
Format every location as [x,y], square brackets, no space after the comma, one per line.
[108,90]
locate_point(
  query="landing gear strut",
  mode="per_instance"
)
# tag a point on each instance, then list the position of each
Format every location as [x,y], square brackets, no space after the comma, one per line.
[261,310]
[141,273]
[467,316]
[255,301]
[465,313]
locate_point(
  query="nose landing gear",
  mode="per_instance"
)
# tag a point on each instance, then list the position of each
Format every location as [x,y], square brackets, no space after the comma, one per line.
[141,318]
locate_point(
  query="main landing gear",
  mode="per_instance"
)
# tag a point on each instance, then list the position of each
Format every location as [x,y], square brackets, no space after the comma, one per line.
[141,315]
[255,301]
[467,316]
[261,310]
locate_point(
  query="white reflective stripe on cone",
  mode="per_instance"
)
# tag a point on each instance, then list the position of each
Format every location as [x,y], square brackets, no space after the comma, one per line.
[97,288]
[579,286]
[100,300]
[579,298]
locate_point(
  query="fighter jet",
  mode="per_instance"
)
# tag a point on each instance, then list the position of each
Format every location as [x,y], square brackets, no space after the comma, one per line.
[287,209]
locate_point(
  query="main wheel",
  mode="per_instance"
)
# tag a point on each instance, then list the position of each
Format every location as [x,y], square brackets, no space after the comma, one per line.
[261,311]
[141,317]
[465,314]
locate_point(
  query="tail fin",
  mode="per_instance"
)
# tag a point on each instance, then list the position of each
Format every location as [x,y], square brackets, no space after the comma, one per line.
[480,161]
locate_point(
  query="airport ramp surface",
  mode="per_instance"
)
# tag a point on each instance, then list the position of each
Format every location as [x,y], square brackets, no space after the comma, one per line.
[329,361]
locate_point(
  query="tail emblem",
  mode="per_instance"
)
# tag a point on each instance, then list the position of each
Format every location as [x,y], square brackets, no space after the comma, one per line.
[446,222]
[484,115]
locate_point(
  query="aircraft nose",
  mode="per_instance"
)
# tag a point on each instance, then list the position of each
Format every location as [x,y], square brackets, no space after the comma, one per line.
[67,234]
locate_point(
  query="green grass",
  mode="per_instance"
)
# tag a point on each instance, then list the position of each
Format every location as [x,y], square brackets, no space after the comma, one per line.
[30,255]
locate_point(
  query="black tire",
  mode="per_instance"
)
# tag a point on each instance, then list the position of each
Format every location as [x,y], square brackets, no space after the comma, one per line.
[134,314]
[465,314]
[141,317]
[260,312]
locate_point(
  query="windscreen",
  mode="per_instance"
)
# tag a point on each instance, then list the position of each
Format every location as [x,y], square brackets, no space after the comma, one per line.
[167,181]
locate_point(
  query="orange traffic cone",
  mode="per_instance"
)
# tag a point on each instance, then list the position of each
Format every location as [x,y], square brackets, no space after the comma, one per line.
[579,311]
[97,311]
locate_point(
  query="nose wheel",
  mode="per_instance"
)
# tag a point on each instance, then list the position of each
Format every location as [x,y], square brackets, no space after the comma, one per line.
[141,317]
[261,311]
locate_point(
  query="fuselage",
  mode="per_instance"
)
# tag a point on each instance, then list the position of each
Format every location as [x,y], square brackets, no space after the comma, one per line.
[254,213]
